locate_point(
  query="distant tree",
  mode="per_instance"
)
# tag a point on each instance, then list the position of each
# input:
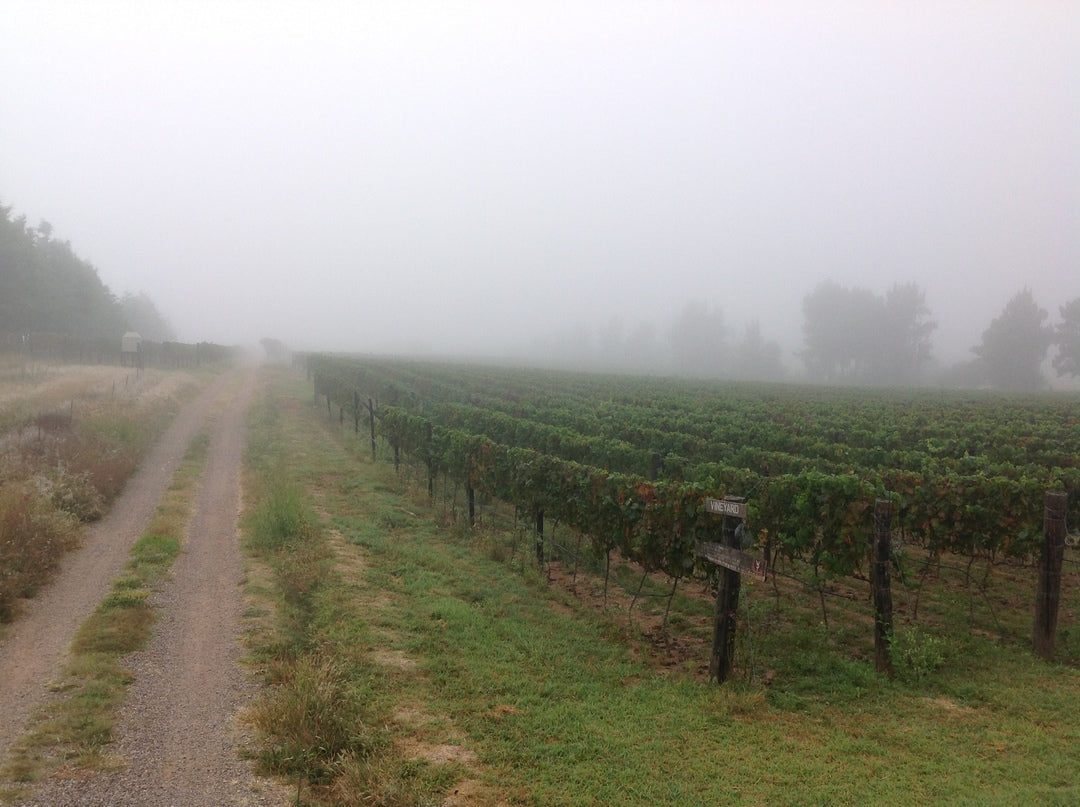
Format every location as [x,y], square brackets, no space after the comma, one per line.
[46,288]
[642,349]
[854,336]
[836,322]
[697,340]
[275,349]
[140,314]
[1067,339]
[1014,346]
[903,335]
[18,273]
[757,359]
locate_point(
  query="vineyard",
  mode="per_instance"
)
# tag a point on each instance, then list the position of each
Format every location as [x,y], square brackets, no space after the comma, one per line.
[629,463]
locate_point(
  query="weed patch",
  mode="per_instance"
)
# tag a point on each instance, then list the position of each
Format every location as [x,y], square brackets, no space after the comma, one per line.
[33,536]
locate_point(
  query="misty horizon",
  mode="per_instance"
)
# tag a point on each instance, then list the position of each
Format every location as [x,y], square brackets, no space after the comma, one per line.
[518,181]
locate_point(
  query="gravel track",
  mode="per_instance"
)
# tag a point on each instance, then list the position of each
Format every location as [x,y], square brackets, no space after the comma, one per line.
[176,733]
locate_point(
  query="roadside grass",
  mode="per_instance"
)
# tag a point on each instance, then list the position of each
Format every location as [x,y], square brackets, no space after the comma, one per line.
[451,638]
[74,729]
[321,720]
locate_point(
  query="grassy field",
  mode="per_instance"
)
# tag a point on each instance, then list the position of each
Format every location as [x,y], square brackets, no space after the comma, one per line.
[435,664]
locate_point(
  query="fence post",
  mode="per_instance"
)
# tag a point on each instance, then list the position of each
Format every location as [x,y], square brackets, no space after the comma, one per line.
[1048,597]
[430,461]
[356,411]
[540,537]
[371,422]
[727,608]
[881,586]
[470,494]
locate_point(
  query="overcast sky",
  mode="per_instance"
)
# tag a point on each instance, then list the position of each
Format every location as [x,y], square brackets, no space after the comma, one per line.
[480,176]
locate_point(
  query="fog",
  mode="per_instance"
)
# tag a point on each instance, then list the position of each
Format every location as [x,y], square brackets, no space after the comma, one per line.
[499,178]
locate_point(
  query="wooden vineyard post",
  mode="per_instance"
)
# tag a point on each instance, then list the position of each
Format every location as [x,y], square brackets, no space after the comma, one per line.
[1048,597]
[727,609]
[371,422]
[881,586]
[734,561]
[356,411]
[539,537]
[430,461]
[470,495]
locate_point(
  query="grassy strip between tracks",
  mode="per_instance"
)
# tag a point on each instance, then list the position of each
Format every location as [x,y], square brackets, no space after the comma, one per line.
[74,728]
[413,665]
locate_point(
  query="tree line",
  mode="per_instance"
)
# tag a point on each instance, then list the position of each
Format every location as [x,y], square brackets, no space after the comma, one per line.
[853,336]
[45,287]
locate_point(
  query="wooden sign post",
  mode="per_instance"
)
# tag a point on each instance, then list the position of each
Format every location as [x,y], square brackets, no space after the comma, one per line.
[734,561]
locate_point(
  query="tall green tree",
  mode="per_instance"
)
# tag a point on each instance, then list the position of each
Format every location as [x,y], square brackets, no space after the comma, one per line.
[140,314]
[1067,339]
[46,288]
[836,320]
[698,340]
[758,359]
[902,336]
[855,336]
[1014,345]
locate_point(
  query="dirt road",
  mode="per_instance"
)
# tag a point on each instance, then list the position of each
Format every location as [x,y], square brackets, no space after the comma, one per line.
[175,733]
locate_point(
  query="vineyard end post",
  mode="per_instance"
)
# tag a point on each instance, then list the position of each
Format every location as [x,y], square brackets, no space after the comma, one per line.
[540,537]
[727,607]
[881,587]
[430,461]
[1048,597]
[371,423]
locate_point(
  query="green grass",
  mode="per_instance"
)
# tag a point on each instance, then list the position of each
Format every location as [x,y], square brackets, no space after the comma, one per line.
[75,727]
[564,704]
[321,719]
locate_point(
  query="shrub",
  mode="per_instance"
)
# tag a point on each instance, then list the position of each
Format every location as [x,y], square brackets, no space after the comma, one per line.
[73,493]
[917,653]
[33,536]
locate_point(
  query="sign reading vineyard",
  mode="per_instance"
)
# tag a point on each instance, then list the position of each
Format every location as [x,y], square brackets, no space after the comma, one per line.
[726,507]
